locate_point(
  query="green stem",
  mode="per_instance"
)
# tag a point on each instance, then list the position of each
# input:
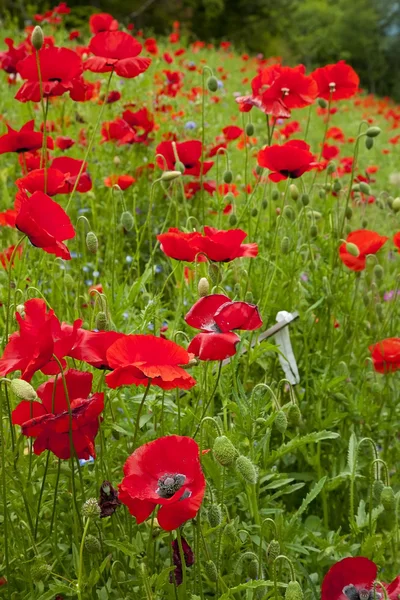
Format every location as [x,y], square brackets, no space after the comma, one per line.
[139,413]
[80,572]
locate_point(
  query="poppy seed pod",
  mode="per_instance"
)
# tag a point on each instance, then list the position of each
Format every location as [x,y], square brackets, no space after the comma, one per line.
[249,129]
[212,83]
[305,199]
[246,469]
[203,287]
[377,489]
[264,203]
[373,131]
[322,103]
[92,544]
[396,205]
[294,191]
[211,570]
[378,272]
[92,243]
[23,390]
[91,509]
[337,186]
[254,212]
[364,188]
[214,515]
[224,451]
[127,220]
[274,550]
[102,321]
[331,168]
[293,415]
[285,245]
[288,212]
[281,421]
[171,175]
[37,38]
[294,591]
[388,498]
[369,142]
[275,195]
[40,571]
[228,176]
[313,231]
[232,220]
[352,249]
[348,212]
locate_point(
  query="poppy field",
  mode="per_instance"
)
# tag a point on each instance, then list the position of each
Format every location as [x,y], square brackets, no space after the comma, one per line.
[199,282]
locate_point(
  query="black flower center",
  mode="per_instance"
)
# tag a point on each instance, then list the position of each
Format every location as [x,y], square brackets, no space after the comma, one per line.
[353,593]
[168,484]
[55,79]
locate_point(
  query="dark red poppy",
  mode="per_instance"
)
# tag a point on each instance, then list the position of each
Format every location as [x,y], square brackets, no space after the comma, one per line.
[50,422]
[123,181]
[289,160]
[113,96]
[116,51]
[42,180]
[337,81]
[367,242]
[108,501]
[217,316]
[386,355]
[102,22]
[63,142]
[24,140]
[142,123]
[71,168]
[176,559]
[164,472]
[91,347]
[45,223]
[5,256]
[60,68]
[353,579]
[140,359]
[188,153]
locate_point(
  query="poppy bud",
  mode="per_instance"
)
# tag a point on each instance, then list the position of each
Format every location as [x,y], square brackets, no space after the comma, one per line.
[249,297]
[116,161]
[23,390]
[378,272]
[92,243]
[396,205]
[379,310]
[237,289]
[274,550]
[213,272]
[127,220]
[294,591]
[369,142]
[348,212]
[275,195]
[288,212]
[214,515]
[352,249]
[101,321]
[224,451]
[294,191]
[246,469]
[377,489]
[281,421]
[232,220]
[364,188]
[293,415]
[366,299]
[322,194]
[228,177]
[203,287]
[388,498]
[37,38]
[249,129]
[40,571]
[212,83]
[230,532]
[68,281]
[92,544]
[264,203]
[373,131]
[253,569]
[21,310]
[254,212]
[211,570]
[337,186]
[313,231]
[171,175]
[91,509]
[322,103]
[285,245]
[305,199]
[331,168]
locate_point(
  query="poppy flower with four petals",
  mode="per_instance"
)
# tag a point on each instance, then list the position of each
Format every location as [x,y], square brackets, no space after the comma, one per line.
[116,51]
[289,160]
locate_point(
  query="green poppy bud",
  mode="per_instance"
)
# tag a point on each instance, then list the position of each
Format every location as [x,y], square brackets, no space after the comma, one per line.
[249,297]
[377,488]
[101,321]
[396,205]
[264,203]
[369,142]
[288,212]
[230,532]
[246,469]
[92,544]
[40,571]
[322,194]
[348,212]
[92,243]
[249,129]
[37,38]
[211,570]
[293,415]
[313,231]
[352,249]
[254,212]
[171,175]
[388,498]
[294,591]
[228,177]
[337,186]
[91,509]
[373,132]
[232,220]
[281,421]
[253,569]
[331,168]
[259,170]
[214,515]
[224,451]
[179,168]
[378,272]
[364,188]
[213,272]
[127,220]
[274,550]
[212,84]
[285,245]
[23,390]
[305,199]
[294,191]
[203,287]
[275,195]
[322,103]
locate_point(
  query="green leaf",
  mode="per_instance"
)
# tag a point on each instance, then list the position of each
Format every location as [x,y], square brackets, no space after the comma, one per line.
[249,585]
[352,453]
[299,442]
[312,494]
[127,549]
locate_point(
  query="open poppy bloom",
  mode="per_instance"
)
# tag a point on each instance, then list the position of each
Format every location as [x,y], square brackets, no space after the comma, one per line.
[180,245]
[102,22]
[123,181]
[11,57]
[386,355]
[143,359]
[49,420]
[45,223]
[7,218]
[24,140]
[5,256]
[116,51]
[63,142]
[71,168]
[337,81]
[117,131]
[165,472]
[42,180]
[289,160]
[217,316]
[61,71]
[353,579]
[396,240]
[188,153]
[141,122]
[91,347]
[367,242]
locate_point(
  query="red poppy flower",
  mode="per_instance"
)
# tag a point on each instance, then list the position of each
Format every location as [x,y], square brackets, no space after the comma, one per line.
[386,355]
[224,246]
[102,22]
[8,217]
[330,152]
[232,132]
[336,81]
[188,153]
[176,559]
[335,133]
[91,347]
[164,472]
[289,160]
[117,131]
[5,256]
[40,180]
[24,140]
[141,122]
[71,168]
[61,71]
[396,239]
[352,579]
[113,96]
[45,223]
[151,46]
[139,359]
[179,245]
[192,187]
[116,51]
[123,181]
[10,58]
[367,242]
[63,142]
[217,316]
[50,423]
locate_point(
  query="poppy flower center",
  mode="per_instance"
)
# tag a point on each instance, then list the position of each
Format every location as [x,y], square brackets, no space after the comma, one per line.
[332,86]
[353,593]
[285,91]
[169,484]
[55,79]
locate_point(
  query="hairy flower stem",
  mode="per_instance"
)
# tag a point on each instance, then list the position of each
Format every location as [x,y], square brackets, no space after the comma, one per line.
[139,414]
[4,494]
[80,572]
[182,592]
